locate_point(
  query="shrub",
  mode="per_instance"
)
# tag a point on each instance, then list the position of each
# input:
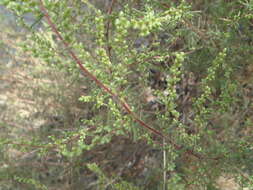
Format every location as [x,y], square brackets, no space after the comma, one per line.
[164,73]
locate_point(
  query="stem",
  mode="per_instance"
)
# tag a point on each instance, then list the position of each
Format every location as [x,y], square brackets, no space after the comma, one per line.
[164,166]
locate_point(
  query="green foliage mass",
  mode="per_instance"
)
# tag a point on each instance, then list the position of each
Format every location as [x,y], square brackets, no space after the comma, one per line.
[190,56]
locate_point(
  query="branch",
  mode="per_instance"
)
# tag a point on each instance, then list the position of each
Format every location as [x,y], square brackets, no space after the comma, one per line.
[116,98]
[105,88]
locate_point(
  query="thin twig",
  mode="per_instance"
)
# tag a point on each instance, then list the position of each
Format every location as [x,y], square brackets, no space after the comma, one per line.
[107,34]
[164,166]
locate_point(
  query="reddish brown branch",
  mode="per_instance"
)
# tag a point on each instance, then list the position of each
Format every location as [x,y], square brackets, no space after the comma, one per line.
[93,77]
[115,97]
